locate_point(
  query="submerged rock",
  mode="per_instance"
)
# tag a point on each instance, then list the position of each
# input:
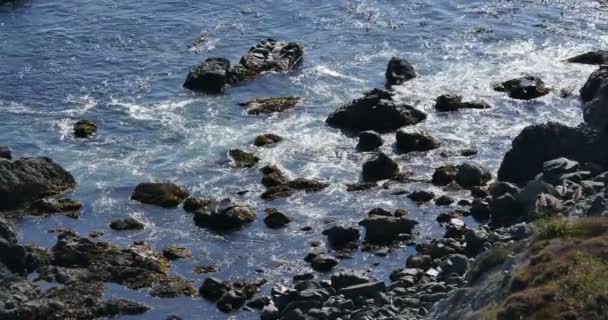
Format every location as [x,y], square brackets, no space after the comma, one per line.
[376,111]
[129,223]
[369,141]
[597,80]
[379,167]
[166,195]
[399,71]
[49,206]
[448,102]
[267,139]
[85,129]
[174,253]
[276,219]
[270,105]
[409,141]
[598,57]
[30,179]
[227,215]
[243,159]
[524,88]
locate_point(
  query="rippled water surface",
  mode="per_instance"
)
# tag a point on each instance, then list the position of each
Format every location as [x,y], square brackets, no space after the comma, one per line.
[122,64]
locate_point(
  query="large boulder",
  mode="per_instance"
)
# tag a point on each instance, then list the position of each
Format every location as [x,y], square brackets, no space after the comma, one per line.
[210,76]
[524,88]
[224,216]
[166,195]
[376,111]
[29,179]
[597,79]
[380,167]
[417,140]
[539,143]
[383,229]
[595,112]
[598,57]
[399,71]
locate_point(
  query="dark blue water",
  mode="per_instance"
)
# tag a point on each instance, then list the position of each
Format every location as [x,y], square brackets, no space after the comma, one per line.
[122,65]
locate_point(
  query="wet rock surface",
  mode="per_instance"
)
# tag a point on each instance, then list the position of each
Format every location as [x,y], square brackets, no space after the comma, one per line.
[226,215]
[85,129]
[369,141]
[270,105]
[379,167]
[447,102]
[375,111]
[276,219]
[524,88]
[127,224]
[267,139]
[598,57]
[417,140]
[243,159]
[399,71]
[167,194]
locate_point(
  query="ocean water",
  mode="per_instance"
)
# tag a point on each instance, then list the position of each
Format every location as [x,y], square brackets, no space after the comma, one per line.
[122,65]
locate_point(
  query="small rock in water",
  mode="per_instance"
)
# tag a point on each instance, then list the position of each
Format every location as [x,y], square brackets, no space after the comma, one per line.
[210,77]
[399,71]
[85,129]
[270,105]
[598,57]
[340,236]
[166,195]
[360,186]
[267,139]
[192,205]
[273,176]
[127,224]
[174,253]
[5,153]
[421,196]
[409,141]
[448,102]
[369,141]
[275,219]
[227,215]
[308,185]
[382,229]
[243,159]
[444,201]
[379,167]
[524,88]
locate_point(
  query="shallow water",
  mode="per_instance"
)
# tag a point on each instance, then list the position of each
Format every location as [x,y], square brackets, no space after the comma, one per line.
[122,65]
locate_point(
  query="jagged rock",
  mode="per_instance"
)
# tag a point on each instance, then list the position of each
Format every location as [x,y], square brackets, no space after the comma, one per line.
[5,153]
[127,224]
[272,55]
[273,176]
[226,215]
[524,88]
[376,111]
[49,206]
[242,159]
[597,80]
[166,195]
[85,129]
[379,167]
[448,102]
[598,57]
[399,71]
[192,205]
[210,77]
[174,253]
[275,219]
[267,139]
[30,179]
[270,105]
[369,141]
[382,229]
[409,141]
[340,236]
[421,196]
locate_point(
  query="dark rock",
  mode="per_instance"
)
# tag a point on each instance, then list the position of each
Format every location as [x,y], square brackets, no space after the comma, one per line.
[243,159]
[276,192]
[598,57]
[597,80]
[421,196]
[307,185]
[119,307]
[456,263]
[85,129]
[346,279]
[275,219]
[166,195]
[375,111]
[365,290]
[267,139]
[399,71]
[471,175]
[415,141]
[272,55]
[379,167]
[554,169]
[444,201]
[30,179]
[468,152]
[273,176]
[505,210]
[7,230]
[524,88]
[270,105]
[174,253]
[379,212]
[48,206]
[448,102]
[231,301]
[192,205]
[444,175]
[479,193]
[340,236]
[213,289]
[210,77]
[127,224]
[539,143]
[172,287]
[323,262]
[382,229]
[419,262]
[595,112]
[227,215]
[360,186]
[369,141]
[480,210]
[501,188]
[5,153]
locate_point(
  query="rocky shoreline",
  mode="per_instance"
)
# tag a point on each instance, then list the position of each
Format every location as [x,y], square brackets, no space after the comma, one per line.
[551,170]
